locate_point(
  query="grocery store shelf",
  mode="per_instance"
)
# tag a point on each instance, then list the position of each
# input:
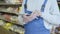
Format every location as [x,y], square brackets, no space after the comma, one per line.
[3,18]
[58,2]
[6,4]
[13,22]
[3,10]
[7,12]
[4,31]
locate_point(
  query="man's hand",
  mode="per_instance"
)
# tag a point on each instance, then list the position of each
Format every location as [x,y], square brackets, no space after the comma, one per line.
[37,13]
[32,16]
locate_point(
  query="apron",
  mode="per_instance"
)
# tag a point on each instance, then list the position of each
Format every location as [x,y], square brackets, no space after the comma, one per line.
[36,26]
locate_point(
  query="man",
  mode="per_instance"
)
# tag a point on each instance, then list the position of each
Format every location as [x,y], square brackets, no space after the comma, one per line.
[50,16]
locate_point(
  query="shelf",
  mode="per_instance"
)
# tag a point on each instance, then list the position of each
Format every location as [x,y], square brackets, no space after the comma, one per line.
[4,31]
[3,18]
[5,4]
[13,22]
[12,12]
[59,3]
[9,5]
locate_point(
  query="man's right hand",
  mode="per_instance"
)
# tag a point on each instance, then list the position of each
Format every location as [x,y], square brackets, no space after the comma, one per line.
[32,16]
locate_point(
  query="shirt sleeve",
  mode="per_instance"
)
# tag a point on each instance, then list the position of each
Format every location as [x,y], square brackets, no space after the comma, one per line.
[51,12]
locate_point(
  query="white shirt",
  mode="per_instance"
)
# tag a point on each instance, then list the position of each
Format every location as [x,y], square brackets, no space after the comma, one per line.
[51,13]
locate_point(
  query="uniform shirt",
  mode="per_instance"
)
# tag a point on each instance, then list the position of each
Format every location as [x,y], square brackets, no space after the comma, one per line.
[51,13]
